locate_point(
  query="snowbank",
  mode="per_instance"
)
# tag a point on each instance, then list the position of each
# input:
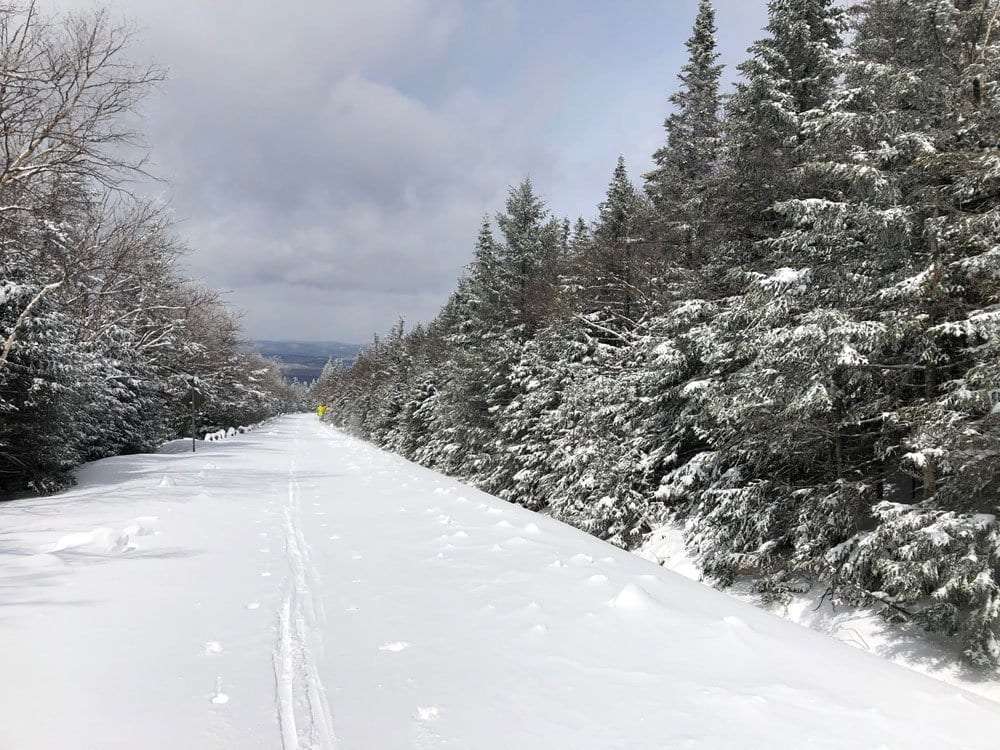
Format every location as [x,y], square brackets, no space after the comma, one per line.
[214,437]
[908,646]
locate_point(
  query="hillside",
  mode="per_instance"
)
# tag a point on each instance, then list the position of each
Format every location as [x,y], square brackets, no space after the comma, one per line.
[304,360]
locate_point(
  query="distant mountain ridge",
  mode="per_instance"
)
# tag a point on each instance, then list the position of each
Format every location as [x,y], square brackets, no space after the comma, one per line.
[304,360]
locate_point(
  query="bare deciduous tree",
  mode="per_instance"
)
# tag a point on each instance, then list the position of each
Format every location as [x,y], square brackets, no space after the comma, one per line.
[66,94]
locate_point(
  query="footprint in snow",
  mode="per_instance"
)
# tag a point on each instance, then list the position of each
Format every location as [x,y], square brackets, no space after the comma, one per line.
[540,629]
[531,528]
[266,574]
[557,564]
[597,580]
[213,647]
[494,512]
[582,559]
[504,525]
[737,625]
[253,605]
[428,713]
[218,697]
[357,556]
[394,646]
[334,537]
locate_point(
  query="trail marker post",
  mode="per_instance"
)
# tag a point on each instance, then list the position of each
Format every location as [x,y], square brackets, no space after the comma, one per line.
[194,417]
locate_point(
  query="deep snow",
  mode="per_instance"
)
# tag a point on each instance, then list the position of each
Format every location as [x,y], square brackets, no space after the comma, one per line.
[907,644]
[297,588]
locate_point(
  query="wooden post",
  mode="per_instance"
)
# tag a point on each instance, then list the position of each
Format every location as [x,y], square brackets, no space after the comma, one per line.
[194,447]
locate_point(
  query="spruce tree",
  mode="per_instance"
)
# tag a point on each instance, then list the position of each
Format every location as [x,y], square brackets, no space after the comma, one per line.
[615,271]
[924,97]
[528,241]
[790,73]
[686,162]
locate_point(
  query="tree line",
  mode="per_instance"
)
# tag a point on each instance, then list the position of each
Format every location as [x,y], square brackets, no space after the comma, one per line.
[785,339]
[103,339]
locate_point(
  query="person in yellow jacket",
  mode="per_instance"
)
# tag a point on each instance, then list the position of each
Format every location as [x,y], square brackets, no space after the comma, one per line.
[321,411]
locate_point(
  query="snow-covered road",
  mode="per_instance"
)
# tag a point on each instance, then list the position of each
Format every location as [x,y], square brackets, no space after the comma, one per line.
[296,588]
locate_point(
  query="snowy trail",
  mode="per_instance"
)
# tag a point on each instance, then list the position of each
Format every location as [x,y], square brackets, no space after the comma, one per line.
[296,588]
[299,632]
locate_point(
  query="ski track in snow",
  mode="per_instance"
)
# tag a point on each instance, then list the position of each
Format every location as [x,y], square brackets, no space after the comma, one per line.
[303,711]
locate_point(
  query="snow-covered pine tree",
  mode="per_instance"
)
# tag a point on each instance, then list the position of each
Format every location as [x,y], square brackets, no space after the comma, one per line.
[530,240]
[38,385]
[616,268]
[761,400]
[789,74]
[685,164]
[925,83]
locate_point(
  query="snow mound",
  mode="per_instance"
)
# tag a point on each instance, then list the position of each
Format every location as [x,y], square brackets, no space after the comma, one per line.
[633,597]
[226,434]
[394,646]
[100,538]
[104,539]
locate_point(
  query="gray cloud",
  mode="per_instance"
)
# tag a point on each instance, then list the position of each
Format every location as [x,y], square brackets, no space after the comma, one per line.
[330,161]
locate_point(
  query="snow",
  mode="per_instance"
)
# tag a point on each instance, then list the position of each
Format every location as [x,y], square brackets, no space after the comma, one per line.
[380,626]
[912,647]
[785,278]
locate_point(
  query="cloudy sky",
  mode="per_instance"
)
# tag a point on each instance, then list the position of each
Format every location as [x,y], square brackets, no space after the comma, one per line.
[330,160]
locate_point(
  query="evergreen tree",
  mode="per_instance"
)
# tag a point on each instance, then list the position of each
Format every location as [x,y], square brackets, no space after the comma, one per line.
[530,240]
[686,163]
[789,74]
[615,268]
